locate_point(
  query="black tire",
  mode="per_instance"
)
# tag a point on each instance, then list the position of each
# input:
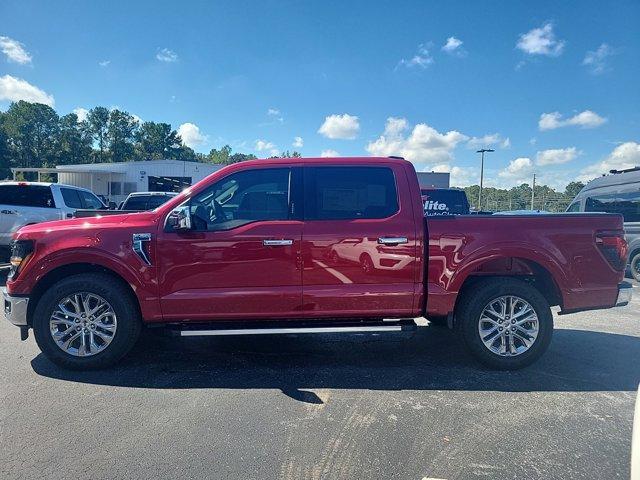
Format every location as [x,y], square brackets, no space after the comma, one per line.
[110,289]
[635,266]
[366,264]
[471,306]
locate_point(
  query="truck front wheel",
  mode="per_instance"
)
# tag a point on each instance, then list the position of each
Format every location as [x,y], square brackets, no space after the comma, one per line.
[505,322]
[86,321]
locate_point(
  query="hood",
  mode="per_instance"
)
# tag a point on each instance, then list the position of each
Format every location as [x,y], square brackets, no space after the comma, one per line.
[89,223]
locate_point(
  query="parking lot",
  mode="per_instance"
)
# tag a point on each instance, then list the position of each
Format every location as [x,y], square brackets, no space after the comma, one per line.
[298,407]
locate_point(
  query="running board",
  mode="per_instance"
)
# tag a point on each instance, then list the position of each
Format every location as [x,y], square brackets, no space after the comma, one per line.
[403,326]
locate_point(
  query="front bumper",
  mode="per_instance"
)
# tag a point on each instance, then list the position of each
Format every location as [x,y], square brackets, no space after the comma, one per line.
[625,290]
[15,308]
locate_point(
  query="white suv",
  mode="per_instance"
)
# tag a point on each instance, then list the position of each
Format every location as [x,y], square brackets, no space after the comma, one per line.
[25,203]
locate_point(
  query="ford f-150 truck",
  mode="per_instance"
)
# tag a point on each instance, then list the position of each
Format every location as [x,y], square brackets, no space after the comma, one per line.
[306,246]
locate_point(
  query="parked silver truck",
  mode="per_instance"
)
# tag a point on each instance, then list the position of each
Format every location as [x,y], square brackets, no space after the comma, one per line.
[618,192]
[26,203]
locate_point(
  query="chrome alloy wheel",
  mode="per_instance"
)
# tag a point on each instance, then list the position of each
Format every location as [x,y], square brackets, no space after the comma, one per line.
[508,326]
[83,324]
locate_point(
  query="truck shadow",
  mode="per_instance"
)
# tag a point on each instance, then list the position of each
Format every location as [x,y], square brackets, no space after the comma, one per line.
[431,359]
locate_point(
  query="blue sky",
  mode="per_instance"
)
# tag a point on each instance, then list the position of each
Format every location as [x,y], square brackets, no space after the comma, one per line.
[552,86]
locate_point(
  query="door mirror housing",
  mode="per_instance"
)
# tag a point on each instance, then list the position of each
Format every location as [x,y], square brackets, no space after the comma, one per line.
[179,220]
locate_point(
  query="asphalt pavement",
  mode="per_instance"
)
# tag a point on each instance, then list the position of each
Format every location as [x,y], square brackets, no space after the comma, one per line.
[406,406]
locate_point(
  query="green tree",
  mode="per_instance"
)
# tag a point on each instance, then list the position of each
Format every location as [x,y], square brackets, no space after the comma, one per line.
[32,130]
[157,141]
[5,156]
[98,119]
[220,156]
[74,141]
[120,135]
[241,157]
[573,189]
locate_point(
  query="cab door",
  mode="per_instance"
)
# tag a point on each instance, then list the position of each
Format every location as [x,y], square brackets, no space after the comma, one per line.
[241,258]
[359,241]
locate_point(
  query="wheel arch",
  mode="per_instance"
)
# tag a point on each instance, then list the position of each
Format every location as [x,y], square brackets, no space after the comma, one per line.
[529,271]
[66,271]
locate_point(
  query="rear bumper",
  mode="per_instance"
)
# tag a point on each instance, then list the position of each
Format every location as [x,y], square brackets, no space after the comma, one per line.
[625,290]
[15,308]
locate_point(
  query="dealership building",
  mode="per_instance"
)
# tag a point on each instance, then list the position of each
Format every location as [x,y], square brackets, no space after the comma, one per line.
[117,180]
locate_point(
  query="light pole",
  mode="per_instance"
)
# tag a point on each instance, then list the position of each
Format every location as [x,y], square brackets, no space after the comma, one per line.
[482,152]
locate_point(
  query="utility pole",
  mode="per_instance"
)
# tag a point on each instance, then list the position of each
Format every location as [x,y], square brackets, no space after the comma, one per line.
[533,189]
[482,152]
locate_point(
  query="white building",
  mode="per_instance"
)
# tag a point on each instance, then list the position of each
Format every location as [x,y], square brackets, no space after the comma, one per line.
[117,180]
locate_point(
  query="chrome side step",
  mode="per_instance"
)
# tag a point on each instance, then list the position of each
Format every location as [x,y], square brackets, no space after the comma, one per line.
[404,327]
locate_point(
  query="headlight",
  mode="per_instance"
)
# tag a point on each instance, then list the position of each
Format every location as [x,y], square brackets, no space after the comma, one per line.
[21,250]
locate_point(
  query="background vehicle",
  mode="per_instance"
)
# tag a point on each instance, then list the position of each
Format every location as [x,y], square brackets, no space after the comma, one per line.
[146,200]
[444,201]
[26,203]
[245,252]
[619,193]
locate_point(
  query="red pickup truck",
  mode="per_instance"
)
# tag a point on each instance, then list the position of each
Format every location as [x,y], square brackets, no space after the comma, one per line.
[309,245]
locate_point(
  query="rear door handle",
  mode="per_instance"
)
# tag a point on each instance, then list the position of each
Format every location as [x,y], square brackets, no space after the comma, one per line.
[392,240]
[9,212]
[277,243]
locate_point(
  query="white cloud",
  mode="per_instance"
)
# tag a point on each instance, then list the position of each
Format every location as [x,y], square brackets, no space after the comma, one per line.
[586,119]
[104,63]
[556,156]
[494,139]
[262,145]
[329,153]
[298,142]
[423,145]
[625,155]
[191,135]
[274,113]
[541,41]
[596,61]
[459,176]
[166,55]
[14,89]
[518,171]
[15,51]
[81,113]
[453,46]
[421,59]
[340,126]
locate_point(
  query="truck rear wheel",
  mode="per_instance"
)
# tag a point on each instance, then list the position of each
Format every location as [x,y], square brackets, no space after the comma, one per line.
[505,322]
[635,266]
[87,321]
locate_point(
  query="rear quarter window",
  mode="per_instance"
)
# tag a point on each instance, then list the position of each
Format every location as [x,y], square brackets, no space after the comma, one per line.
[38,196]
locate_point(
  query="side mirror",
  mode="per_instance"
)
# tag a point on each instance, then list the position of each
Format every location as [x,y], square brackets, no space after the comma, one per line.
[179,220]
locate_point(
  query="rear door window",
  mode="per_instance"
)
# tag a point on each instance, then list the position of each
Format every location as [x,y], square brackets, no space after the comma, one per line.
[71,198]
[349,193]
[38,196]
[90,201]
[627,204]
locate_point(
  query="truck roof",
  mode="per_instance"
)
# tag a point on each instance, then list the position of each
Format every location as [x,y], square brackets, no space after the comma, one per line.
[325,160]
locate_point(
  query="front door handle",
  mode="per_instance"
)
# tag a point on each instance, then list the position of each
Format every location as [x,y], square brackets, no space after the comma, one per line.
[277,243]
[392,240]
[9,212]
